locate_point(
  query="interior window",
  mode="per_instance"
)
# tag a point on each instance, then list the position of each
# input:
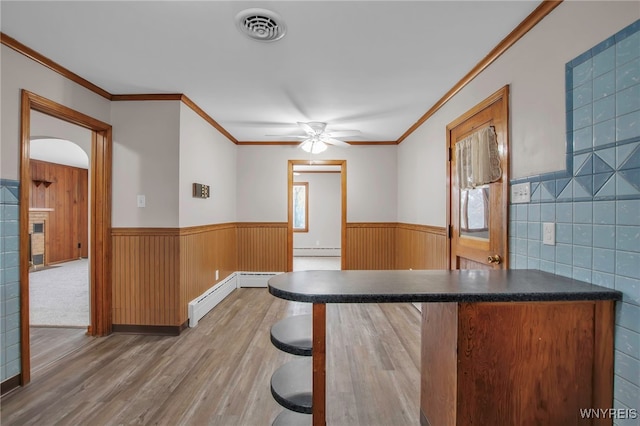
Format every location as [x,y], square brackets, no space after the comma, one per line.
[301,207]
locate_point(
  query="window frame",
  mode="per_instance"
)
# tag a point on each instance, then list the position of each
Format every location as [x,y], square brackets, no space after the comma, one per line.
[306,206]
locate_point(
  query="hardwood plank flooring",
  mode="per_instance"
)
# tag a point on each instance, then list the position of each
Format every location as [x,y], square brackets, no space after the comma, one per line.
[219,372]
[50,344]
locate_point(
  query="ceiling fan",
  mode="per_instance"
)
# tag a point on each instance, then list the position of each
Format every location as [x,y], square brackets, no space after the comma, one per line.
[316,138]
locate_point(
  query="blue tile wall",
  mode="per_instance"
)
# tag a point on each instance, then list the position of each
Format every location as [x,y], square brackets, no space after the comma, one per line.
[595,203]
[9,280]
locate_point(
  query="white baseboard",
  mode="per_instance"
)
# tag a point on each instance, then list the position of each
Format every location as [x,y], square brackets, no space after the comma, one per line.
[317,252]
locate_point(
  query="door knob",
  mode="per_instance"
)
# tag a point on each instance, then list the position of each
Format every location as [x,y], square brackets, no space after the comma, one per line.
[495,259]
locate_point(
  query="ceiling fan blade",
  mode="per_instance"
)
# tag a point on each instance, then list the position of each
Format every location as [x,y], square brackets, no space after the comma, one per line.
[336,142]
[288,136]
[343,133]
[313,128]
[310,130]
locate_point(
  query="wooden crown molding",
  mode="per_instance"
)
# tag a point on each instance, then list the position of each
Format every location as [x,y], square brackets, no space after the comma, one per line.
[55,67]
[528,23]
[14,44]
[148,97]
[372,142]
[177,97]
[188,102]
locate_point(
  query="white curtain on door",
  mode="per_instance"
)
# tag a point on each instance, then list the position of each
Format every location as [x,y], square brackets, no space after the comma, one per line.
[478,159]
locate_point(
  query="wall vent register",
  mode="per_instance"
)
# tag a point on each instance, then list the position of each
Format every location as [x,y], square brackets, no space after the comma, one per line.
[261,24]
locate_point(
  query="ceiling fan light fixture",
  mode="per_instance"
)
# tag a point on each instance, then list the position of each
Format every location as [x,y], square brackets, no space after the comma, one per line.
[261,24]
[314,146]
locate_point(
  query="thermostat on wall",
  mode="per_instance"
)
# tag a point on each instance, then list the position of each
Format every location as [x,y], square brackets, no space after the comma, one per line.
[200,190]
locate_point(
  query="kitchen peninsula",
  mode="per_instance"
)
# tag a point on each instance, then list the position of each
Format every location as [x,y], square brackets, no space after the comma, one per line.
[498,347]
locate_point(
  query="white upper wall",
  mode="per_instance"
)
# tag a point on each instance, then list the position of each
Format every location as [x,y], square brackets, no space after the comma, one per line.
[206,157]
[535,70]
[371,181]
[146,137]
[403,183]
[325,211]
[19,72]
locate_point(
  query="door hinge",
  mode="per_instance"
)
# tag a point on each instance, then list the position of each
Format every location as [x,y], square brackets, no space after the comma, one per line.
[450,232]
[449,153]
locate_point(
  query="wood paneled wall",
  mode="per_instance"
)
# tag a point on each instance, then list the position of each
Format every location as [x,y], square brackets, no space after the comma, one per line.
[395,246]
[65,190]
[262,247]
[370,246]
[420,247]
[203,251]
[146,276]
[158,271]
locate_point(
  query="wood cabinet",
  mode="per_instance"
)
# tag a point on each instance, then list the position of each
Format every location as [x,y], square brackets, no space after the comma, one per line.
[515,363]
[499,347]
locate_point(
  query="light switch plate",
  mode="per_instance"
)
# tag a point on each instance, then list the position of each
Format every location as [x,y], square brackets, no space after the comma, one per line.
[142,202]
[549,233]
[521,193]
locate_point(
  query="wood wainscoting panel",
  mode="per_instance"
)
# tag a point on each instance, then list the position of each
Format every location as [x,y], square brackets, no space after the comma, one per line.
[421,247]
[158,271]
[262,246]
[203,251]
[370,246]
[146,276]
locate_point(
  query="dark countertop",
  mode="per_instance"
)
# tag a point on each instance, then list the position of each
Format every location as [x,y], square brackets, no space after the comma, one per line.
[513,285]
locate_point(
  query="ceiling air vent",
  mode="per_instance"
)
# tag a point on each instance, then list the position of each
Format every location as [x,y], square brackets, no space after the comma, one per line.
[261,24]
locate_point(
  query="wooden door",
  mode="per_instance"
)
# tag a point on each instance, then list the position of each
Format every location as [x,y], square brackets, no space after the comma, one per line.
[478,218]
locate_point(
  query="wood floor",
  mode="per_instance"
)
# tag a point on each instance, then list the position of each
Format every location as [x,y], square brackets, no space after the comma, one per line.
[218,373]
[50,344]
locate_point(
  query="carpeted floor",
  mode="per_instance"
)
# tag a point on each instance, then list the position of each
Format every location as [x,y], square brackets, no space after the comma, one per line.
[59,296]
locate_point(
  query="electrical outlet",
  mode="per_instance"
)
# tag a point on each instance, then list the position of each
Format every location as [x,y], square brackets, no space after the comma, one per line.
[521,193]
[549,233]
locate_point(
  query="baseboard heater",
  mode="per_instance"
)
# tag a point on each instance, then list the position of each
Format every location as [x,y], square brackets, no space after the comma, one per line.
[317,252]
[254,279]
[201,305]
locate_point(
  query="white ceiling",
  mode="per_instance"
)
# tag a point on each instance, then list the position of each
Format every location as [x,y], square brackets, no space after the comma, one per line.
[373,66]
[58,151]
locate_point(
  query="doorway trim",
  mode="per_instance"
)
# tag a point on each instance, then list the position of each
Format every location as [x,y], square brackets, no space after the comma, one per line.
[100,223]
[343,192]
[500,96]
